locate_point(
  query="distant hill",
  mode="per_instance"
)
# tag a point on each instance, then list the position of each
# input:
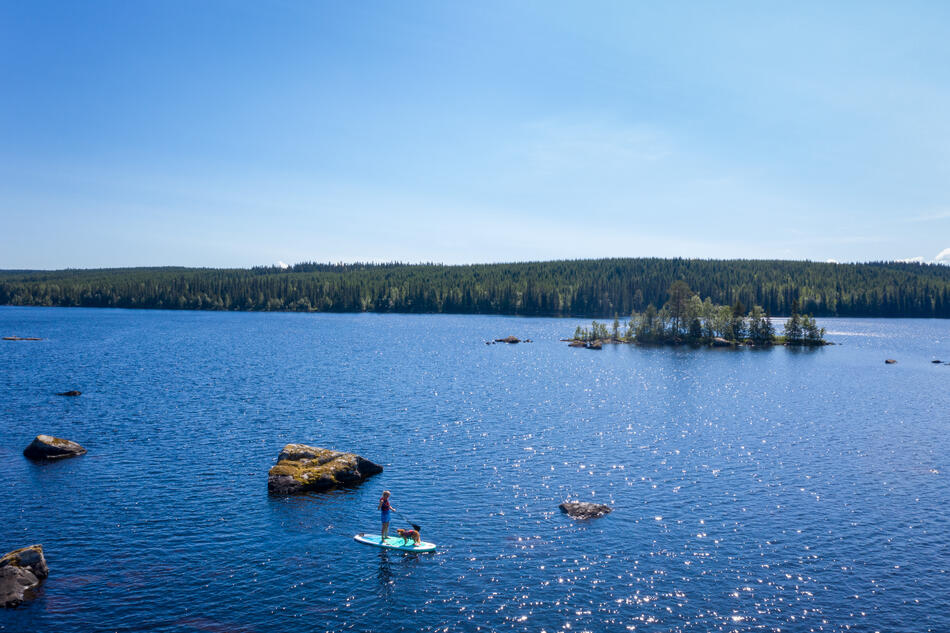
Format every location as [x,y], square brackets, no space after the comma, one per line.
[581,288]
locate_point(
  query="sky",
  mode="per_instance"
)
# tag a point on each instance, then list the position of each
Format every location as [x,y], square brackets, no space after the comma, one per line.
[234,134]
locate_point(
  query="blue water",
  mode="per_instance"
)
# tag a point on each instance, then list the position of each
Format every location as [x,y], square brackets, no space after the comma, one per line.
[753,490]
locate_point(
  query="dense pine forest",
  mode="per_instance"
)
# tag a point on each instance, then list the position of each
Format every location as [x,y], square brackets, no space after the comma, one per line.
[598,288]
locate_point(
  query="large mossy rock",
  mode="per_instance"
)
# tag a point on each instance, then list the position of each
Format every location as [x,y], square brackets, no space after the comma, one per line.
[21,572]
[48,447]
[302,468]
[584,510]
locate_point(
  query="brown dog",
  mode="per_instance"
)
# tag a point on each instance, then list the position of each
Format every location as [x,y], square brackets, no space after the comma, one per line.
[409,534]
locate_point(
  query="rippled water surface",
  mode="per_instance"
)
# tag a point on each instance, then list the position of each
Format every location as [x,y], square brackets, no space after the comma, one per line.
[753,490]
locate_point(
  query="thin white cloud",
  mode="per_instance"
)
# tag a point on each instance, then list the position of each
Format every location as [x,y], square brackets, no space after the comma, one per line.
[282,265]
[943,257]
[930,217]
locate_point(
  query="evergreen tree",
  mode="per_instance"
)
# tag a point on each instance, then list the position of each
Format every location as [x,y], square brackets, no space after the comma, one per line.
[768,331]
[793,326]
[679,294]
[738,324]
[811,333]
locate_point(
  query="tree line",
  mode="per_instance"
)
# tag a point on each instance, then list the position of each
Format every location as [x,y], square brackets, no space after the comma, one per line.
[685,318]
[591,288]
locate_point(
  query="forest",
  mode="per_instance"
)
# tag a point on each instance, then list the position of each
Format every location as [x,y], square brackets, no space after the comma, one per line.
[576,288]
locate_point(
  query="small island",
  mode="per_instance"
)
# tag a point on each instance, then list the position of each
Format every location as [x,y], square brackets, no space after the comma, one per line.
[685,319]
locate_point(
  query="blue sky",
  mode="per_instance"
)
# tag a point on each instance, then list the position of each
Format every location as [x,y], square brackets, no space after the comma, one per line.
[245,133]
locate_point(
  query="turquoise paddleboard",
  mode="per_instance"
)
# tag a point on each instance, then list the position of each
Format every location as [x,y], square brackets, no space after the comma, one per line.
[394,542]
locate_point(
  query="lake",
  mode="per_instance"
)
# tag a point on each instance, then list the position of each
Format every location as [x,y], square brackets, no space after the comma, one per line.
[753,490]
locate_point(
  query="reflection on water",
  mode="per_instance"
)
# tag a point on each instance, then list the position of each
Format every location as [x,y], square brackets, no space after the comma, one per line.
[777,489]
[385,575]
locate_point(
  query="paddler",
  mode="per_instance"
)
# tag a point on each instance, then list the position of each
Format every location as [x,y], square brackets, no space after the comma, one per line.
[384,509]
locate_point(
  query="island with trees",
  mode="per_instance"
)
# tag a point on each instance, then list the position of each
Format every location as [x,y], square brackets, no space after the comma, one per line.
[685,319]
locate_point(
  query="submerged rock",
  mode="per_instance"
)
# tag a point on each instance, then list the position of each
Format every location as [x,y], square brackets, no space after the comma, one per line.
[21,572]
[584,510]
[49,447]
[70,393]
[301,468]
[890,361]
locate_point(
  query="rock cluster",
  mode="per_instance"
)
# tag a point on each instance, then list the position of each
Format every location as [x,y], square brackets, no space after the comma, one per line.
[21,572]
[586,344]
[584,510]
[46,447]
[301,468]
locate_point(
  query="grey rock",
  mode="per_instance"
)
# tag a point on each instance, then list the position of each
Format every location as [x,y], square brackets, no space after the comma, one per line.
[584,510]
[21,573]
[46,447]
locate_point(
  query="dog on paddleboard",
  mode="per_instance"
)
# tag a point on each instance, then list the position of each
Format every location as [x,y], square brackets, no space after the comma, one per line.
[408,535]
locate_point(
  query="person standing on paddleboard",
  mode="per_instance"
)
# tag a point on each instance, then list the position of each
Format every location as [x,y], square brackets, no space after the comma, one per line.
[384,509]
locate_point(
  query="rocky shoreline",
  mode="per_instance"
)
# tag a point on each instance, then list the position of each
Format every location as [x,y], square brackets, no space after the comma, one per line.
[599,343]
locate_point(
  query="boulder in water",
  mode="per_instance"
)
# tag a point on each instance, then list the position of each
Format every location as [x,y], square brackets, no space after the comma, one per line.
[72,393]
[584,510]
[302,468]
[46,447]
[890,361]
[508,339]
[21,572]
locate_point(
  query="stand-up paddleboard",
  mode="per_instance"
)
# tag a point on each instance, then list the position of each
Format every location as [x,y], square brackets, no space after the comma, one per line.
[394,542]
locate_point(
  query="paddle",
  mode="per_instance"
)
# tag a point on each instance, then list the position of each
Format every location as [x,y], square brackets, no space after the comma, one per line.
[415,526]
